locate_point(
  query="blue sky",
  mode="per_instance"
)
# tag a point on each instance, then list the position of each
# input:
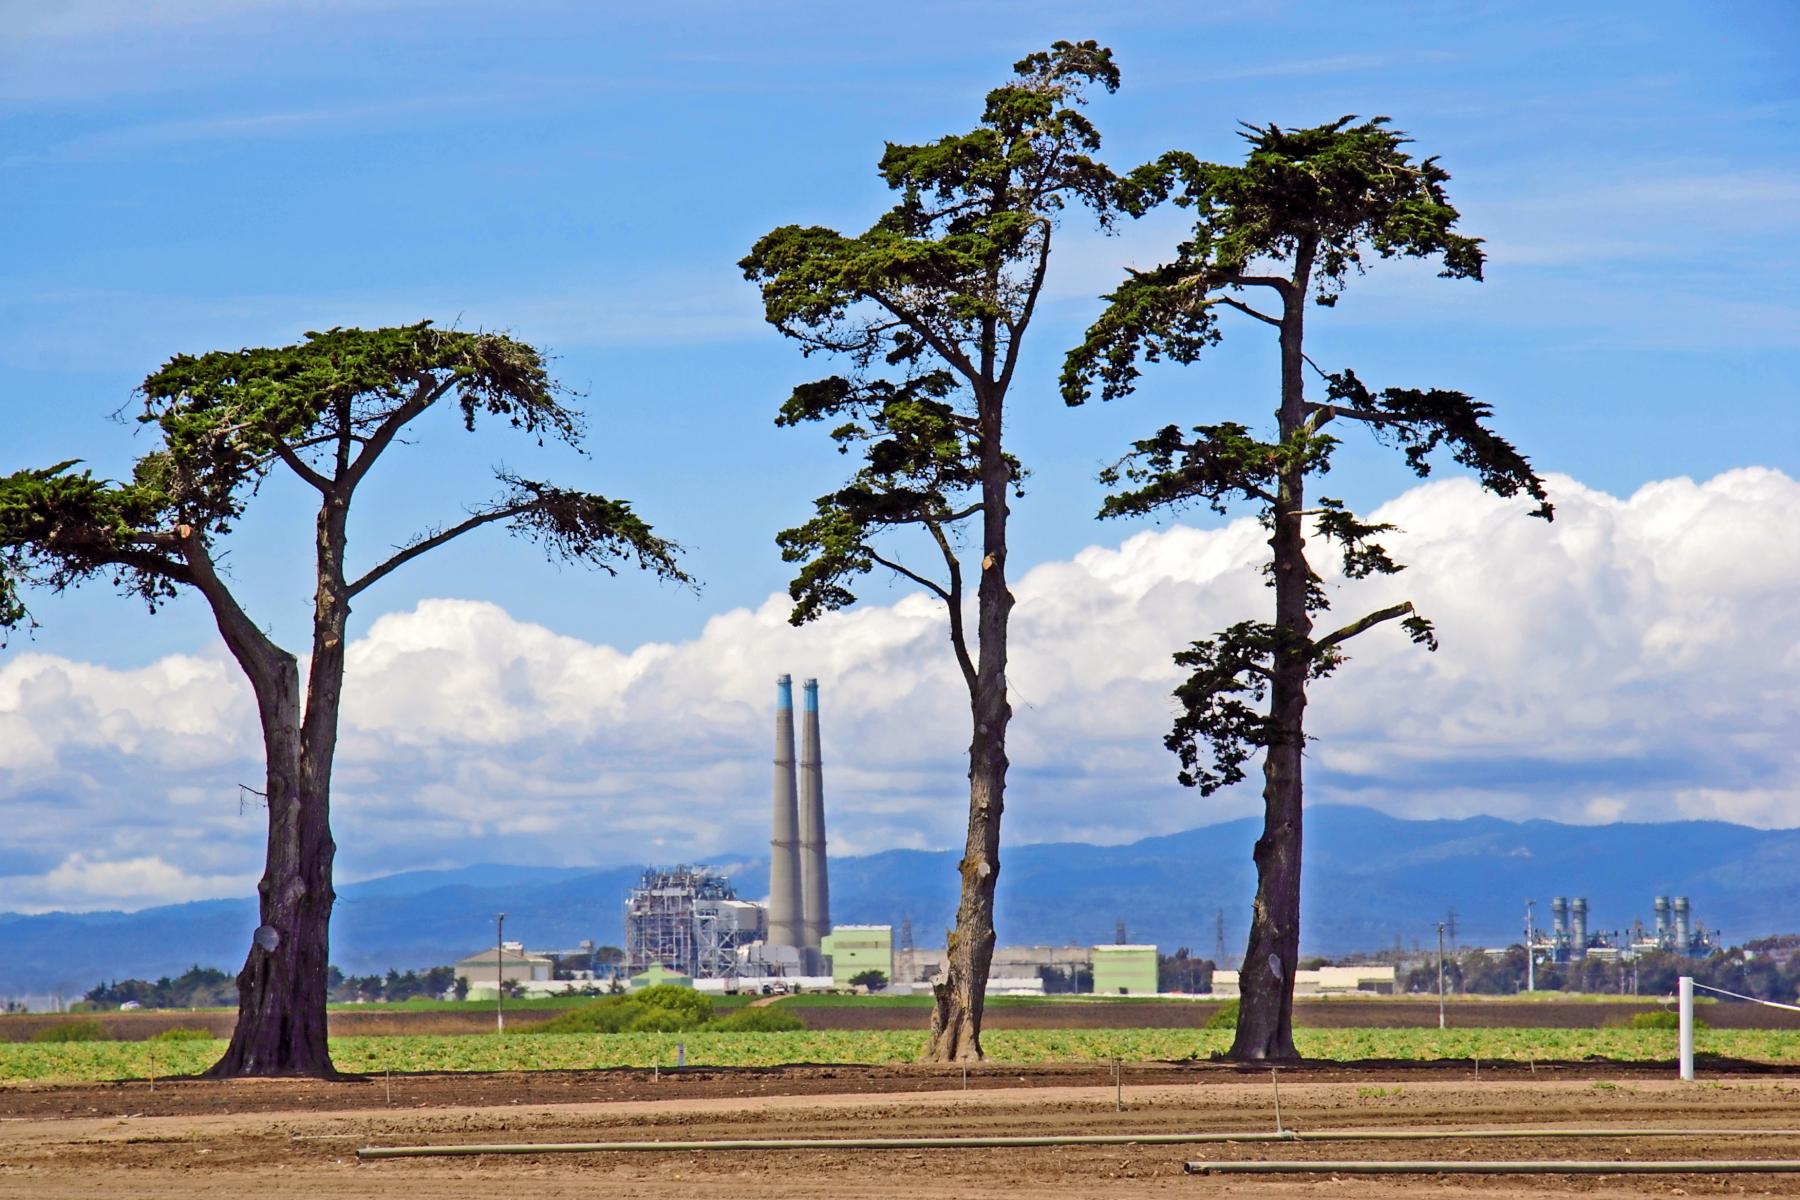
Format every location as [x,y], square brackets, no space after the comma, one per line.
[194,175]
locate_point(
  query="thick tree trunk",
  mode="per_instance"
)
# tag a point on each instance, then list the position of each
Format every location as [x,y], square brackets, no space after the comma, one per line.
[1265,1028]
[281,1027]
[956,1016]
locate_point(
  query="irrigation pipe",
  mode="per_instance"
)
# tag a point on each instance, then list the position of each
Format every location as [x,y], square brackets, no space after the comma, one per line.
[1073,1139]
[1743,1166]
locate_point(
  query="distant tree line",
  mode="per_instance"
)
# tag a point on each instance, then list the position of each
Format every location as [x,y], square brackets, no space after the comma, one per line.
[197,987]
[204,987]
[1059,981]
[433,983]
[1182,972]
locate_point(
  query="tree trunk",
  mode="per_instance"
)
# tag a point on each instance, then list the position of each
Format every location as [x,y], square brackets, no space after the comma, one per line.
[1265,1029]
[956,1015]
[281,1027]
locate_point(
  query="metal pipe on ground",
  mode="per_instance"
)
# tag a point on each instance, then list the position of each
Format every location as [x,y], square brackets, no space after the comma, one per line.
[1073,1139]
[1746,1166]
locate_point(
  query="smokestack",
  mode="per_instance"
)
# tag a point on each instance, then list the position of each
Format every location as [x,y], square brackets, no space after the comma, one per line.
[1682,941]
[1662,920]
[1578,912]
[784,835]
[815,888]
[1559,918]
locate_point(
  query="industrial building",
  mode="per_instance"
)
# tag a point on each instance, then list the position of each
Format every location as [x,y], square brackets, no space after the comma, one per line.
[1372,978]
[689,920]
[508,961]
[1570,939]
[1124,970]
[854,949]
[688,923]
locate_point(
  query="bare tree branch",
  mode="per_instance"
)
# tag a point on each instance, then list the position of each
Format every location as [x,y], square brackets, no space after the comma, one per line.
[298,466]
[413,551]
[1328,412]
[928,584]
[1362,623]
[430,390]
[946,349]
[1031,299]
[1269,281]
[959,639]
[1265,318]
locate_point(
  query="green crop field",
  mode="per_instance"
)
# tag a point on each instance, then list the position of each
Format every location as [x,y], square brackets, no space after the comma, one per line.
[85,1061]
[516,1004]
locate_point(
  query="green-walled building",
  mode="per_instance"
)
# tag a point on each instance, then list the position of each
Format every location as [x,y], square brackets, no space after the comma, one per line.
[854,949]
[1124,970]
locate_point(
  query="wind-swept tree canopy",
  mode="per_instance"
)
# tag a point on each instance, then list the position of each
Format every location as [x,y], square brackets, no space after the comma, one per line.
[324,410]
[1286,230]
[928,309]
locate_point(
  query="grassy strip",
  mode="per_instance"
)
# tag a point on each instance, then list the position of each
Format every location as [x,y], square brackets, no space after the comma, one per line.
[91,1061]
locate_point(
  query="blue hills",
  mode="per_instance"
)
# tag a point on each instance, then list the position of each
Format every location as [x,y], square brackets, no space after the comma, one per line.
[1371,880]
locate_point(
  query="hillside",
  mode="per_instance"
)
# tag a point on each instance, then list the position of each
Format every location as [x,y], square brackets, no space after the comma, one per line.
[1371,880]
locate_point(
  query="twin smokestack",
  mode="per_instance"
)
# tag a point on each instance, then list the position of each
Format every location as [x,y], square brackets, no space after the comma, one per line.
[799,892]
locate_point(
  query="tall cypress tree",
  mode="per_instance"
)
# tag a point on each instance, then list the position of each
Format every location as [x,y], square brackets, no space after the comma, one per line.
[1282,232]
[326,412]
[929,309]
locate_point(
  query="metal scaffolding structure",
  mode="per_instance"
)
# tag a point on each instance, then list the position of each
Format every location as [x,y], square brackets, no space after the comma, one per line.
[689,919]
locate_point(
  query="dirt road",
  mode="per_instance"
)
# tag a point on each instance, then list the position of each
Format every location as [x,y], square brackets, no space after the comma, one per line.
[198,1141]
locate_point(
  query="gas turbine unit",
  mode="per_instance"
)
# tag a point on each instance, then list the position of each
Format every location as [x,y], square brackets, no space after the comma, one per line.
[799,888]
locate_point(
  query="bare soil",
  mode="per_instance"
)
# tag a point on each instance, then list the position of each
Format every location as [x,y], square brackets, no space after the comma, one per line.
[199,1140]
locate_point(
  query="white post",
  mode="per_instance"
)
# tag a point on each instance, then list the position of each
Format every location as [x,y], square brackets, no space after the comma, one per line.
[1440,974]
[1686,992]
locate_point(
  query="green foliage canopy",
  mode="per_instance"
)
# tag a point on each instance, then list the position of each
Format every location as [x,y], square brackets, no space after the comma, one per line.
[1307,209]
[326,409]
[927,307]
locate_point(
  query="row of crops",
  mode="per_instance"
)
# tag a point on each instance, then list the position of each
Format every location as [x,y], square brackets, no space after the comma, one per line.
[88,1061]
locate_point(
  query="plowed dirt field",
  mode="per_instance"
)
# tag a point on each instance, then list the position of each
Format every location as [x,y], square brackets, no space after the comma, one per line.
[200,1140]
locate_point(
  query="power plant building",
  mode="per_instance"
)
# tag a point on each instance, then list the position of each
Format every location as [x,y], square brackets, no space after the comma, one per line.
[799,886]
[1570,940]
[688,920]
[854,949]
[1124,970]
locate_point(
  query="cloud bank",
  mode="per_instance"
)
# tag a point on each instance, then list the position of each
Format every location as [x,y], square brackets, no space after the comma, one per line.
[1639,659]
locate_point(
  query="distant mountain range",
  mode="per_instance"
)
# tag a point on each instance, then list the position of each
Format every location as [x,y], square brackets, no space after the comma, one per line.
[1371,880]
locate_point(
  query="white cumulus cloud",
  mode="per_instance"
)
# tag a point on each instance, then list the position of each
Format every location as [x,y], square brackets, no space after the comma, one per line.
[1637,659]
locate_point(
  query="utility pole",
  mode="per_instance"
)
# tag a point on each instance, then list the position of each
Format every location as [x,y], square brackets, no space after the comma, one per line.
[1440,975]
[1219,938]
[1530,950]
[500,974]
